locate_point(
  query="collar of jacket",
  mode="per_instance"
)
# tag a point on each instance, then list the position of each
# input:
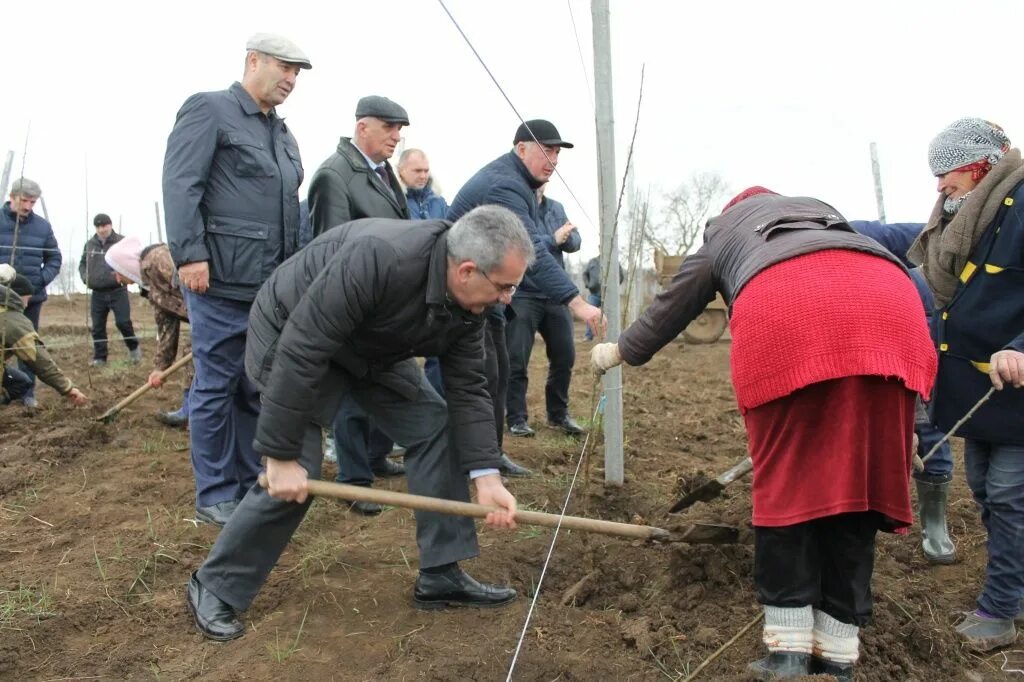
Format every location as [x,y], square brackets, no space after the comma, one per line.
[348,150]
[10,300]
[437,298]
[14,216]
[520,167]
[420,195]
[248,104]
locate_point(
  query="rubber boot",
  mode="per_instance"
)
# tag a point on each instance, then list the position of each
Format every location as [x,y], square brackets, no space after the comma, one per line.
[932,497]
[836,647]
[787,634]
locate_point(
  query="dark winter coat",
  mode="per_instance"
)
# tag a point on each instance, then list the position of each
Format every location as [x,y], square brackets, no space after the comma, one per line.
[357,304]
[93,269]
[231,190]
[36,255]
[592,275]
[425,205]
[506,182]
[752,235]
[345,188]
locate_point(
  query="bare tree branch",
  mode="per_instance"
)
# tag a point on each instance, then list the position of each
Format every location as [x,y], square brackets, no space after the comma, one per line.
[685,212]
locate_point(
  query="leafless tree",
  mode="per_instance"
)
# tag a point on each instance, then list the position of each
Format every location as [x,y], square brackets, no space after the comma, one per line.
[685,212]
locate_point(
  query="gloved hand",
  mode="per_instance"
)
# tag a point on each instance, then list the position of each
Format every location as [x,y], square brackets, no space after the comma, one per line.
[604,356]
[7,273]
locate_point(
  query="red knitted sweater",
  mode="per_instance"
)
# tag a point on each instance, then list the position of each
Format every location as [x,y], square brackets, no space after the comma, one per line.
[827,315]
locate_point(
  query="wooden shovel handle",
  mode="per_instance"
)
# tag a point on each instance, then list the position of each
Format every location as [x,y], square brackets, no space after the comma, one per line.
[356,493]
[141,391]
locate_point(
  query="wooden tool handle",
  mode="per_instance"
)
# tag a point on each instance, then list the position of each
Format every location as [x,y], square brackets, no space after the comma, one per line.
[356,493]
[141,391]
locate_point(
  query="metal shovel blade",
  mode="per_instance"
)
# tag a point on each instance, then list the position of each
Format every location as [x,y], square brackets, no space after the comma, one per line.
[712,488]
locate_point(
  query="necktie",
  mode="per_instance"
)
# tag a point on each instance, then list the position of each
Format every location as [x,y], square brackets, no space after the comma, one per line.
[383,174]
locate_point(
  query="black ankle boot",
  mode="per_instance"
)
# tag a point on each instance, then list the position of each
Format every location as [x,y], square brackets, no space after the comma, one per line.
[843,672]
[780,665]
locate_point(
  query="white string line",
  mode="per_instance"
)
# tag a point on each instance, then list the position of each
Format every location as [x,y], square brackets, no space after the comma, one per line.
[554,538]
[579,49]
[552,162]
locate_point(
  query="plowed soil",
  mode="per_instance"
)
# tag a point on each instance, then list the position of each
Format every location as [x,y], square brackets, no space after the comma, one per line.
[97,542]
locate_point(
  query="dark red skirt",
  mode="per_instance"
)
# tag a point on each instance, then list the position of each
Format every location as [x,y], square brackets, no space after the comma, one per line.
[836,446]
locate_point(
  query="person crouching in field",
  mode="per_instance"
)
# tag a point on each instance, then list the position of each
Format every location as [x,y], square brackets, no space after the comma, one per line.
[19,338]
[829,348]
[153,270]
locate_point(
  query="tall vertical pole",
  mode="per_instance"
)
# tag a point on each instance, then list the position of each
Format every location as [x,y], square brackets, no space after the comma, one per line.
[8,162]
[878,182]
[604,114]
[159,228]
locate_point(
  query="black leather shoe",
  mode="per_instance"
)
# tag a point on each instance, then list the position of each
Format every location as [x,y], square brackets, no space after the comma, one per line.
[176,419]
[521,430]
[780,665]
[567,425]
[217,514]
[510,468]
[366,508]
[389,469]
[843,672]
[458,588]
[214,618]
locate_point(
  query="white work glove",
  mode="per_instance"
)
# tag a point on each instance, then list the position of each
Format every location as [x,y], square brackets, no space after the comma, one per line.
[7,273]
[604,356]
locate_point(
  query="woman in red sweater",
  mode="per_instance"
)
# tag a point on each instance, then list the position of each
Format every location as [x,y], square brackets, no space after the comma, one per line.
[830,349]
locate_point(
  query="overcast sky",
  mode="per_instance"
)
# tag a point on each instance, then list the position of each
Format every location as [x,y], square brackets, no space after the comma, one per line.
[785,94]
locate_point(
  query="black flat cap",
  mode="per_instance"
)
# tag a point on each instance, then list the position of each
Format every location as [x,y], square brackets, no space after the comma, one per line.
[545,132]
[382,108]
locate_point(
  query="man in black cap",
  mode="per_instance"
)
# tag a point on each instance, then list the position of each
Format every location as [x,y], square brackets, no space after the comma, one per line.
[108,295]
[512,181]
[231,195]
[356,181]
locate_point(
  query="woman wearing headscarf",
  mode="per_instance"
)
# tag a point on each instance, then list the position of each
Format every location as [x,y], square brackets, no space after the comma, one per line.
[972,254]
[830,348]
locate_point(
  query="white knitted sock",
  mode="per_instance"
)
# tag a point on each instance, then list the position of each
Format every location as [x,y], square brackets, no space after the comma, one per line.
[834,640]
[788,629]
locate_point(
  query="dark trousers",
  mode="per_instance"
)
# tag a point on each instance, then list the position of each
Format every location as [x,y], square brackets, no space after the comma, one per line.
[223,404]
[102,303]
[15,384]
[32,311]
[554,322]
[258,531]
[594,300]
[496,366]
[432,368]
[360,446]
[825,563]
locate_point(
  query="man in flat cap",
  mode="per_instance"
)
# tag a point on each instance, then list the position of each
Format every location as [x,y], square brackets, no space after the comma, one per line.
[356,181]
[29,236]
[512,181]
[231,178]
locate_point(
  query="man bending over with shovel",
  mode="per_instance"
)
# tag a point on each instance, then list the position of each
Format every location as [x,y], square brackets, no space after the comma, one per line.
[829,348]
[346,316]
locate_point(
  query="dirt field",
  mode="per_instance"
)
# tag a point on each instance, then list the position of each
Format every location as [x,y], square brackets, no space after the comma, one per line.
[96,544]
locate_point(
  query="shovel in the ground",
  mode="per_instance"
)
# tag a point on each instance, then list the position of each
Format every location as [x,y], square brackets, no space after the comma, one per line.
[695,533]
[109,415]
[713,488]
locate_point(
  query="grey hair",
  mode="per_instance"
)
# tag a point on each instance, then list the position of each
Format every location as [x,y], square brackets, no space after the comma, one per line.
[404,158]
[485,235]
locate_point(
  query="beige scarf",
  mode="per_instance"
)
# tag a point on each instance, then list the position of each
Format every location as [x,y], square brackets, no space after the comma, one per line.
[942,251]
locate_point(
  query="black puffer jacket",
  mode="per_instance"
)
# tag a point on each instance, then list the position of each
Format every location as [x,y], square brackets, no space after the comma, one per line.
[357,304]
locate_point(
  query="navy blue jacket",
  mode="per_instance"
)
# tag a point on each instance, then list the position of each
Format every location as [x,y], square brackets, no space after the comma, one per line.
[552,217]
[506,182]
[985,315]
[425,205]
[231,190]
[36,256]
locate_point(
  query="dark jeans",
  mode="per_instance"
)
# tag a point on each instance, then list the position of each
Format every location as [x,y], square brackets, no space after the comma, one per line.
[995,474]
[554,322]
[32,311]
[594,300]
[15,384]
[103,302]
[496,366]
[360,446]
[432,368]
[825,563]
[258,531]
[940,465]
[223,404]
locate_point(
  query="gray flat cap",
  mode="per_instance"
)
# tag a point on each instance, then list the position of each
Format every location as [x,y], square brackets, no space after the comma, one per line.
[26,188]
[382,108]
[280,47]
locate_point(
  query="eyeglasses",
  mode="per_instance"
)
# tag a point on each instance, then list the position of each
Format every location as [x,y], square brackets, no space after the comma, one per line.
[502,288]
